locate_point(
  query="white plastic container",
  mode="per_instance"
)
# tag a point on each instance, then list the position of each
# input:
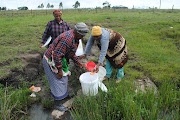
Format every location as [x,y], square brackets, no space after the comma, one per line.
[79,50]
[101,73]
[89,83]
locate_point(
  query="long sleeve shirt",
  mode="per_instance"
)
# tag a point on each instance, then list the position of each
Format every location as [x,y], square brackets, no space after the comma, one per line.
[104,41]
[64,45]
[54,29]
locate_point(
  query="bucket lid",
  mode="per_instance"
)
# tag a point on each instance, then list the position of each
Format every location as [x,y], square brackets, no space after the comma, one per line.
[91,65]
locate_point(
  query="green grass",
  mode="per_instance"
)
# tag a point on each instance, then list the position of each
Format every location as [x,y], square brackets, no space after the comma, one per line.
[14,103]
[153,41]
[122,102]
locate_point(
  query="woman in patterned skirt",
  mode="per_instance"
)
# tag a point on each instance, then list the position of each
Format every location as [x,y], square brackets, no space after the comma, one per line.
[113,46]
[55,61]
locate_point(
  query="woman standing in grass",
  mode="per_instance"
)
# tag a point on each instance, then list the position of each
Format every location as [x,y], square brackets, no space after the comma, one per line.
[55,63]
[112,45]
[54,27]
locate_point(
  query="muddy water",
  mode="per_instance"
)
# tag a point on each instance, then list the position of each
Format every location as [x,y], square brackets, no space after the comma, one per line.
[38,113]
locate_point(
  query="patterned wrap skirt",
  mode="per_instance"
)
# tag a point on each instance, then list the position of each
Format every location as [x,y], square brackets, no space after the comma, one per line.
[58,86]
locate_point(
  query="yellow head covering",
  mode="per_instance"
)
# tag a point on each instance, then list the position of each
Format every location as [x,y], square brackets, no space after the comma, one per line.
[96,31]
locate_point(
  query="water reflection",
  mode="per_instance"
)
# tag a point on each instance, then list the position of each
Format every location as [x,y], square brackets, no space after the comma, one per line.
[37,112]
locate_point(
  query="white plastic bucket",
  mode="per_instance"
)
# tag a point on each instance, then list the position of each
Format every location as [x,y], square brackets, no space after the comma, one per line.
[89,83]
[101,73]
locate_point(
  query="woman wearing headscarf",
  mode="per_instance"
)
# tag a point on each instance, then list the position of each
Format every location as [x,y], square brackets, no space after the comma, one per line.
[54,27]
[55,61]
[112,45]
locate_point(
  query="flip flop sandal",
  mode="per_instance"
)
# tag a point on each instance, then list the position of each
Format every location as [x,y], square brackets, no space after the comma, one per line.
[61,108]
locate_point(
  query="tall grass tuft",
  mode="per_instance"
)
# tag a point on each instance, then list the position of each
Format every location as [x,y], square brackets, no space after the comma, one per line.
[13,103]
[122,102]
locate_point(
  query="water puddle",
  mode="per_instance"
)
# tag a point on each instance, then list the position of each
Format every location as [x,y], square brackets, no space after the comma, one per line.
[37,112]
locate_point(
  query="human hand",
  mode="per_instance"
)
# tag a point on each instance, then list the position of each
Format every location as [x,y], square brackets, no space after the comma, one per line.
[59,74]
[82,56]
[83,65]
[97,67]
[41,45]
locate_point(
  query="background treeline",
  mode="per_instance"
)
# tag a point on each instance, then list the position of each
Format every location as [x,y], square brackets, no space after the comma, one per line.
[67,11]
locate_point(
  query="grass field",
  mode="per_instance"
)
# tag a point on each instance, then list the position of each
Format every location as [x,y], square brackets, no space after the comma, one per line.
[153,40]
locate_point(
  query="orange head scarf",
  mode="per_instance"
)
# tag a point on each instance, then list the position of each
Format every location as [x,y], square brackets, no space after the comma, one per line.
[57,11]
